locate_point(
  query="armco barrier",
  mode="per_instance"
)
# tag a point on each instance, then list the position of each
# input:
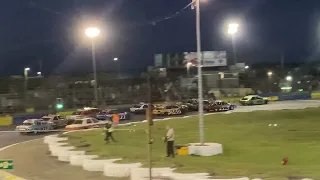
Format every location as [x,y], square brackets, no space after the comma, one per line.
[65,113]
[315,95]
[6,121]
[20,118]
[294,96]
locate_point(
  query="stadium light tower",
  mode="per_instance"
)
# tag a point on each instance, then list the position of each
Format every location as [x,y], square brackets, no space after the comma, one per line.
[116,59]
[199,57]
[232,30]
[289,78]
[26,73]
[93,33]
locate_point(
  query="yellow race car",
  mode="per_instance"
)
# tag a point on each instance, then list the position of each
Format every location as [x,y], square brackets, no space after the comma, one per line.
[167,110]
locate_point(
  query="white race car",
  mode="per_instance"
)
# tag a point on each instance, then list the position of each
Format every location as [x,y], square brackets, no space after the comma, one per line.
[34,126]
[140,108]
[85,123]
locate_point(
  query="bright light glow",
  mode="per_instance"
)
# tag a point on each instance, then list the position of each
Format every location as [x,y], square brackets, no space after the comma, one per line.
[286,88]
[92,32]
[233,28]
[27,69]
[289,78]
[269,73]
[189,64]
[246,67]
[115,59]
[39,73]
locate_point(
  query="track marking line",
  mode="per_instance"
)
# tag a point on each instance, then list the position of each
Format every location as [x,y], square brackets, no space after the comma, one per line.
[6,175]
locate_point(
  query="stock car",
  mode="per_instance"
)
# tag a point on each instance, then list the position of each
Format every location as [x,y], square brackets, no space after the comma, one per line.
[85,123]
[184,108]
[107,114]
[167,110]
[87,111]
[192,104]
[139,108]
[56,120]
[216,107]
[229,105]
[33,126]
[253,100]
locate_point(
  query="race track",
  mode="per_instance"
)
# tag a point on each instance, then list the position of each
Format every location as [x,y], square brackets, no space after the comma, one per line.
[8,138]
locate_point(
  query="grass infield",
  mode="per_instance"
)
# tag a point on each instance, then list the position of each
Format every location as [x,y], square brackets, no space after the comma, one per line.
[252,148]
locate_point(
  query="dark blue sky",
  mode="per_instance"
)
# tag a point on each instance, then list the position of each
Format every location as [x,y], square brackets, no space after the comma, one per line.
[51,32]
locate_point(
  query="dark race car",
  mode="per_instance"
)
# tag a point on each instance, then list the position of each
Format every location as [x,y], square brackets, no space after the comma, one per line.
[192,104]
[107,114]
[229,105]
[216,107]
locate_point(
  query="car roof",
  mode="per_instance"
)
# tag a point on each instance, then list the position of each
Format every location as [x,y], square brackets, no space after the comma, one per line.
[30,120]
[249,96]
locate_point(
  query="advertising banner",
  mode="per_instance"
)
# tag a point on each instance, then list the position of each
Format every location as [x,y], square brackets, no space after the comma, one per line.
[176,60]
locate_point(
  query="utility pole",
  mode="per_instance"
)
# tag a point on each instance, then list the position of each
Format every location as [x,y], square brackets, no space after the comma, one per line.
[150,124]
[200,87]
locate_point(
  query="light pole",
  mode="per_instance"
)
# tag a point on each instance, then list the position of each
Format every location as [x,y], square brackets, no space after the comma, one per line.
[93,33]
[270,73]
[232,30]
[200,91]
[289,78]
[118,65]
[26,72]
[189,64]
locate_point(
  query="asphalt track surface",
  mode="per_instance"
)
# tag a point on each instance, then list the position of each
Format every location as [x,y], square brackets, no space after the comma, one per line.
[8,138]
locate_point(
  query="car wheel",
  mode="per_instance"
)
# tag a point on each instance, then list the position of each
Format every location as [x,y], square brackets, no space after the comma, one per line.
[231,108]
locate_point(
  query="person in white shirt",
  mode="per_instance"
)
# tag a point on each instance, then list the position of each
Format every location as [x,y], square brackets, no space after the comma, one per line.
[169,138]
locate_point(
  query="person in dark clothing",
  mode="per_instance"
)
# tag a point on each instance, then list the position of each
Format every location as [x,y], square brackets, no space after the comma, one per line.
[109,129]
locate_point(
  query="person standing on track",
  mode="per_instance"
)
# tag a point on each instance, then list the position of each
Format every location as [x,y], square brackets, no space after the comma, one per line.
[109,129]
[169,138]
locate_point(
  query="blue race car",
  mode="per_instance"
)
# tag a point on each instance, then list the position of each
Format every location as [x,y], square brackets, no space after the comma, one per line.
[107,114]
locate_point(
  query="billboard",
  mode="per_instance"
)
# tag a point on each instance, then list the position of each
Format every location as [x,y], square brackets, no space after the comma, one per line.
[175,60]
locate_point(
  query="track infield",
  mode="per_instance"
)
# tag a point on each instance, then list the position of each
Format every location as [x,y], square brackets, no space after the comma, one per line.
[253,145]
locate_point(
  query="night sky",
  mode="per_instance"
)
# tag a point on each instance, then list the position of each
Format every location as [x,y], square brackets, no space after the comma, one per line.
[49,34]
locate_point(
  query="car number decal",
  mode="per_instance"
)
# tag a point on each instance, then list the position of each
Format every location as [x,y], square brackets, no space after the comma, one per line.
[176,111]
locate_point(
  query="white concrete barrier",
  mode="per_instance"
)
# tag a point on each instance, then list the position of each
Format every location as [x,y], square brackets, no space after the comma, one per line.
[96,165]
[189,176]
[53,140]
[65,155]
[119,170]
[48,139]
[244,178]
[57,145]
[77,160]
[55,151]
[208,149]
[143,173]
